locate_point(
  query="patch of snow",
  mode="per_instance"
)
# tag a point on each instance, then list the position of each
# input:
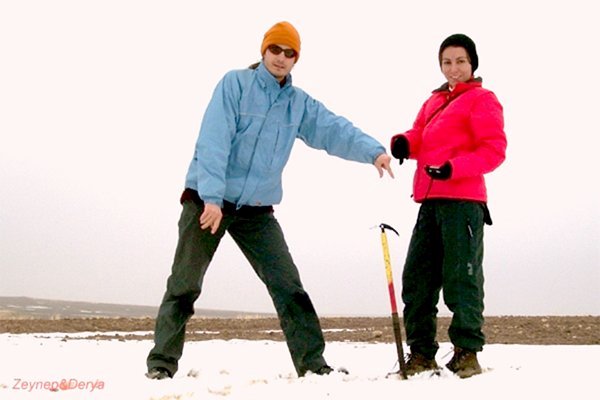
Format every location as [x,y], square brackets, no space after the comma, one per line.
[242,369]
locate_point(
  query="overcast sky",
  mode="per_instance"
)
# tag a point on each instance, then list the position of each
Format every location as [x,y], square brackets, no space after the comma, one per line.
[101,101]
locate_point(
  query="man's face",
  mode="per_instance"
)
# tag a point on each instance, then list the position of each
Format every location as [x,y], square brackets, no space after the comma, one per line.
[279,65]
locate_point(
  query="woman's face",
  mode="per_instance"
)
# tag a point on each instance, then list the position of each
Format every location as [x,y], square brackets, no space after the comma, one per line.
[456,65]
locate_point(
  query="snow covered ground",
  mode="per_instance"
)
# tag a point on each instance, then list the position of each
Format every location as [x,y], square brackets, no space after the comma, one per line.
[45,366]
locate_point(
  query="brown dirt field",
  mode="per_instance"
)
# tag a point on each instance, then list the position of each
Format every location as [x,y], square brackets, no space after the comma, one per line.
[573,330]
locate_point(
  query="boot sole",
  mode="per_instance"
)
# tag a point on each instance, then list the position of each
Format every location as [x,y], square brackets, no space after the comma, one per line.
[467,373]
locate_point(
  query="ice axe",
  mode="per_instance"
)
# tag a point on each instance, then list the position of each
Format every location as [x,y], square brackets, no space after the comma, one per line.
[390,280]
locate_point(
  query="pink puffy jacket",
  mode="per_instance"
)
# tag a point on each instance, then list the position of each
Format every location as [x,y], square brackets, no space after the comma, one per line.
[464,127]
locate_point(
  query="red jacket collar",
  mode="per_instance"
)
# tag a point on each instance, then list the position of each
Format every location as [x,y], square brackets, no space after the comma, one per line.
[461,87]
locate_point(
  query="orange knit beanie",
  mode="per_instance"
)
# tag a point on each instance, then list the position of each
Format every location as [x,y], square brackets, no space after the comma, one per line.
[282,33]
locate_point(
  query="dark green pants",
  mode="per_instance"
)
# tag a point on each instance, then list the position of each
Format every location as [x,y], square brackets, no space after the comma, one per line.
[445,253]
[261,240]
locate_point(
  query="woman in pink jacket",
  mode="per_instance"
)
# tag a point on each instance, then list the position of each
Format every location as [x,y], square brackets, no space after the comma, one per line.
[457,137]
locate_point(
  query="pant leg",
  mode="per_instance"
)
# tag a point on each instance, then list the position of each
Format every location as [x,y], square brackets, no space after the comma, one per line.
[421,283]
[261,240]
[462,232]
[194,252]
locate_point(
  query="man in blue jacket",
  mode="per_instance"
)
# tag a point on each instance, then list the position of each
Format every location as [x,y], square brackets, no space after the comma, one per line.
[233,181]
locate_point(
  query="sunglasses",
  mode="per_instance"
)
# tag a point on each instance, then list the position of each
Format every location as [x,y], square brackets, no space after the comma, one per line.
[276,50]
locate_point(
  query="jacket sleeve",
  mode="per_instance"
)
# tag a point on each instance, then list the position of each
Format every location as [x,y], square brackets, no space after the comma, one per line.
[321,129]
[415,134]
[489,150]
[214,141]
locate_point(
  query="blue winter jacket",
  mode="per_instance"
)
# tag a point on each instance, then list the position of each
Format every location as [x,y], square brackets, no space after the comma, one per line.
[248,131]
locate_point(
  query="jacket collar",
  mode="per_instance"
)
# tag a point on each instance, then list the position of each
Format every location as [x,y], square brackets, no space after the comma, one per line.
[268,81]
[461,87]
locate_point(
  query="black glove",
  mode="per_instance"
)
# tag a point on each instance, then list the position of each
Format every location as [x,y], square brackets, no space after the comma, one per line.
[442,173]
[400,148]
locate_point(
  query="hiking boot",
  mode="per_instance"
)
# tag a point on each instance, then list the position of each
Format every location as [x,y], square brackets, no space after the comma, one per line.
[158,373]
[464,363]
[417,363]
[326,370]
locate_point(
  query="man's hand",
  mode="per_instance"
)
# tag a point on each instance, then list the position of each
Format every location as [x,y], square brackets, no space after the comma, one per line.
[211,217]
[383,163]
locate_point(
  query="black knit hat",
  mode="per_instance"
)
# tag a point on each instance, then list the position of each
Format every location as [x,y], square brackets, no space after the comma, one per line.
[460,40]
